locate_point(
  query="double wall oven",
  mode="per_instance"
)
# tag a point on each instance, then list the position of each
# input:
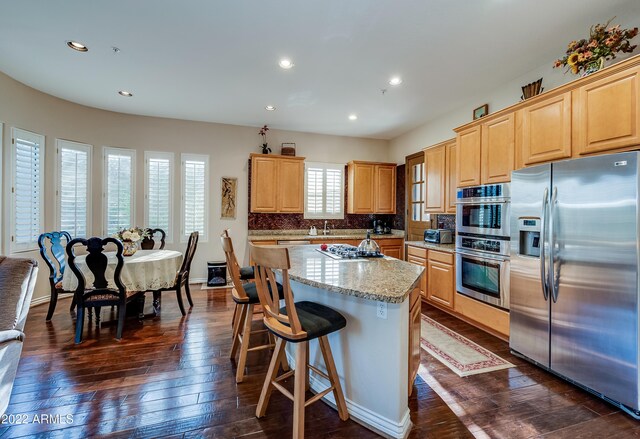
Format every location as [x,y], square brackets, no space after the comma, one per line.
[482,243]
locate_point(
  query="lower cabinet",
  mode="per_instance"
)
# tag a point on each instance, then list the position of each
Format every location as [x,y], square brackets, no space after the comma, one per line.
[414,336]
[392,247]
[441,278]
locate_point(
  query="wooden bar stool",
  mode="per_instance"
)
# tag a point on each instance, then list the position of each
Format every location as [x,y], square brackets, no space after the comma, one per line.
[245,297]
[296,323]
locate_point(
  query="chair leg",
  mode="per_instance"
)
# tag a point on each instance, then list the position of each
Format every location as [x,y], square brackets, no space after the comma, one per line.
[187,290]
[244,345]
[98,316]
[235,316]
[179,297]
[300,378]
[79,323]
[236,330]
[122,310]
[306,368]
[325,347]
[52,303]
[73,303]
[272,373]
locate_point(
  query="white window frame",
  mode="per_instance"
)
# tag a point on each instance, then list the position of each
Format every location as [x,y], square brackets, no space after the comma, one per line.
[161,156]
[105,211]
[83,147]
[184,237]
[36,138]
[324,215]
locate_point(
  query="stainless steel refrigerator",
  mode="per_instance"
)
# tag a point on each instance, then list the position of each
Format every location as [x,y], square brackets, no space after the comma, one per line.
[574,272]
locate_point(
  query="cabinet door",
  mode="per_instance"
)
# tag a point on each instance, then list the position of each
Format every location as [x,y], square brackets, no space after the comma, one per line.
[450,205]
[545,131]
[423,280]
[607,113]
[394,251]
[290,186]
[498,149]
[264,184]
[435,165]
[385,189]
[440,283]
[414,343]
[361,188]
[468,157]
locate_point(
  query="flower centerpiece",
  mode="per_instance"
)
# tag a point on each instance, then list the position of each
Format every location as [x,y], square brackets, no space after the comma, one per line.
[263,133]
[589,55]
[131,238]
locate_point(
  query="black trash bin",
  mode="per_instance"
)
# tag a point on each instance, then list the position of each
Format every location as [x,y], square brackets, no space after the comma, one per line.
[217,274]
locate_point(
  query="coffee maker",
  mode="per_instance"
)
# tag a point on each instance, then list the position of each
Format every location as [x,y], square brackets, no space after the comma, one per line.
[378,227]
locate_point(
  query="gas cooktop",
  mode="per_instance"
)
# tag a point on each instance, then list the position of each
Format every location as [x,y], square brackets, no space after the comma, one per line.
[346,251]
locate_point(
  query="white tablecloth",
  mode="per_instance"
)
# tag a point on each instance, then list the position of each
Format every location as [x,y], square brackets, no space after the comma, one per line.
[145,270]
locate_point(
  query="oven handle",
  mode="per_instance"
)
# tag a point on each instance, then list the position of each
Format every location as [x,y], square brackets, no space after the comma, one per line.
[483,201]
[482,256]
[543,256]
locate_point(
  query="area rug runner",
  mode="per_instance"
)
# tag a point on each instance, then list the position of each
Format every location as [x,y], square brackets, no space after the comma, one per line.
[458,353]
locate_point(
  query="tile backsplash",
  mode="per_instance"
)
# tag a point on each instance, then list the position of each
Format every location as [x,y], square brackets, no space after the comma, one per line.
[274,221]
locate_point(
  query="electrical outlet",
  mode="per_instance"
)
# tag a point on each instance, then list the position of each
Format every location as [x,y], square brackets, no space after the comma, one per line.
[381,310]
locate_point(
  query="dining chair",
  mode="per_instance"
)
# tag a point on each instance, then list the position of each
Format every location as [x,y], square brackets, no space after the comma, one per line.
[52,251]
[245,296]
[182,277]
[246,273]
[98,293]
[296,323]
[149,243]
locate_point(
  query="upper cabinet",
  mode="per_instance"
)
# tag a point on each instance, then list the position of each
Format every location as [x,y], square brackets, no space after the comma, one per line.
[468,161]
[544,132]
[607,113]
[277,184]
[440,178]
[498,149]
[372,187]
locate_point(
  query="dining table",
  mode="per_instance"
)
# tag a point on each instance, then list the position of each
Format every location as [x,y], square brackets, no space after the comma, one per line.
[145,270]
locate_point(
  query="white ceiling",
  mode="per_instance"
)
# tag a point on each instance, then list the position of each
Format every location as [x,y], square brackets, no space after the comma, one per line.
[217,61]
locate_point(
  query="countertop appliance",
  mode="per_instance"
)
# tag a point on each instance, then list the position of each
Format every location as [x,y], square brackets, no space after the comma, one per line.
[439,236]
[483,210]
[574,288]
[346,251]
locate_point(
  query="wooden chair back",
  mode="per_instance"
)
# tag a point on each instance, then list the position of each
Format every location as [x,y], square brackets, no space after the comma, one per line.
[232,265]
[52,251]
[149,243]
[266,261]
[192,244]
[97,262]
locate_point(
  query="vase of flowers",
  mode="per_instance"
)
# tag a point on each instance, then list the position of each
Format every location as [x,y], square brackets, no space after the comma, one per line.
[604,42]
[130,239]
[265,146]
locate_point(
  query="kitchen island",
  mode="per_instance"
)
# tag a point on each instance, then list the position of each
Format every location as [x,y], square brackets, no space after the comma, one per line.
[378,352]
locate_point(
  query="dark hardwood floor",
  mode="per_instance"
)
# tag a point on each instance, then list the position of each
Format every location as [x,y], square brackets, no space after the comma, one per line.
[170,376]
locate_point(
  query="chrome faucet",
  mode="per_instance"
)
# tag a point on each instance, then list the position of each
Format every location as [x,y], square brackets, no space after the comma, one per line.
[325,231]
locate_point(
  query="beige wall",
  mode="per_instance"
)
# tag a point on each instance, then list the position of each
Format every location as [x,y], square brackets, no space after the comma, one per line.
[227,145]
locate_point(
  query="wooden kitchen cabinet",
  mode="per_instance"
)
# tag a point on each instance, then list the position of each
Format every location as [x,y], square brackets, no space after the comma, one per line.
[414,337]
[371,187]
[441,279]
[440,178]
[393,247]
[468,157]
[498,149]
[544,131]
[607,113]
[418,256]
[277,184]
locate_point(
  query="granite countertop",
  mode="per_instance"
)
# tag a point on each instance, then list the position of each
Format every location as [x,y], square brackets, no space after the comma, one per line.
[289,235]
[382,279]
[450,248]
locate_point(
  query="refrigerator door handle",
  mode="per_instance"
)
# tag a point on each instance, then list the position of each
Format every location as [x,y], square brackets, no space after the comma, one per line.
[554,276]
[543,232]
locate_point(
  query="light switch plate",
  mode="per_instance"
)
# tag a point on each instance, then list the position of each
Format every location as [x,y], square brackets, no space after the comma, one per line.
[381,310]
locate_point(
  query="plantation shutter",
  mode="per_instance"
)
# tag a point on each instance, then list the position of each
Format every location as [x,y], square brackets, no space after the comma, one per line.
[28,149]
[73,188]
[159,191]
[324,191]
[195,175]
[119,191]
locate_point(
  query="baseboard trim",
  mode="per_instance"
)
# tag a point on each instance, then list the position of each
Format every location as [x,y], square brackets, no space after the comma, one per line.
[46,299]
[197,280]
[362,415]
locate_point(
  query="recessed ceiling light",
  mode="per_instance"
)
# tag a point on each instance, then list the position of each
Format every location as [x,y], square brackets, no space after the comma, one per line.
[353,117]
[269,108]
[396,80]
[286,63]
[125,93]
[77,46]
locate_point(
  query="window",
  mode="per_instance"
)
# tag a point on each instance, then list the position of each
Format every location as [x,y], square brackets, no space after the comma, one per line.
[27,189]
[195,202]
[324,191]
[158,191]
[119,189]
[73,191]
